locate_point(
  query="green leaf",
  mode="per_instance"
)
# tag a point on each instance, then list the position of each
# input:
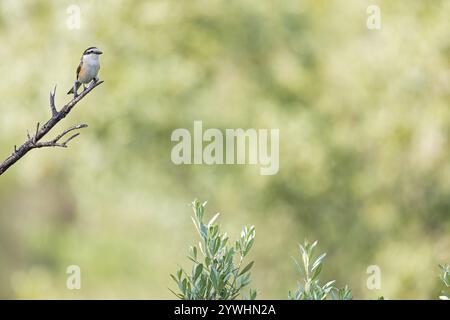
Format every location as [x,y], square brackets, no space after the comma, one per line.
[203,231]
[182,285]
[213,219]
[201,248]
[316,272]
[198,271]
[312,248]
[214,277]
[247,268]
[174,279]
[305,257]
[318,261]
[195,224]
[179,296]
[248,247]
[245,280]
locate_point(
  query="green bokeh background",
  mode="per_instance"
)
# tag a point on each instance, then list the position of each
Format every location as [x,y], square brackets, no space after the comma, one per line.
[364,121]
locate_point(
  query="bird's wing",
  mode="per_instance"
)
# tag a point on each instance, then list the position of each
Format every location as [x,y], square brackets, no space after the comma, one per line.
[79,67]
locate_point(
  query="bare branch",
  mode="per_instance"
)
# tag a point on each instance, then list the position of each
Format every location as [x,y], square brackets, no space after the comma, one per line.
[55,143]
[34,141]
[70,138]
[80,126]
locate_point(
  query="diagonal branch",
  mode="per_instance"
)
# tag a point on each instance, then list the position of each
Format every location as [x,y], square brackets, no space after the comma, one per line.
[33,142]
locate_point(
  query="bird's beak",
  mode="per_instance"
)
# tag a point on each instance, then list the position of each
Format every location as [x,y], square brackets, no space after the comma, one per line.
[99,52]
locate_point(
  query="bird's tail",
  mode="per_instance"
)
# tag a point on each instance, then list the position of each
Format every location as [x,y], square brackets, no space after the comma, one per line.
[77,85]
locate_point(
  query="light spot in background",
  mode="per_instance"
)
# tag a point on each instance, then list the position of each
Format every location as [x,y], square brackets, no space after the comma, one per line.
[74,278]
[374,18]
[73,21]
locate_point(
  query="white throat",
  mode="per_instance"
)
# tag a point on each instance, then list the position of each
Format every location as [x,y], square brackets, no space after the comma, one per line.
[91,59]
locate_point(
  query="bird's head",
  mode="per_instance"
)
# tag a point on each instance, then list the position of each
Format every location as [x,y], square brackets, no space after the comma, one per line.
[92,50]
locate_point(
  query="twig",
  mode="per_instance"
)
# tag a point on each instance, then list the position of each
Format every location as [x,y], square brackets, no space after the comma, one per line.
[55,143]
[33,141]
[52,101]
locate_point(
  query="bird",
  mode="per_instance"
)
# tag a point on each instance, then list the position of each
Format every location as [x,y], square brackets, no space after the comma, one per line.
[87,69]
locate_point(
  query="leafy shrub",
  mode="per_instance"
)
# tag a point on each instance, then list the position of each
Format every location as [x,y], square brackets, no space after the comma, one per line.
[217,272]
[310,287]
[445,277]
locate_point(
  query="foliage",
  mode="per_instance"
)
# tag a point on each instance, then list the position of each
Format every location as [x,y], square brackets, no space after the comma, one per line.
[311,288]
[214,275]
[445,277]
[364,143]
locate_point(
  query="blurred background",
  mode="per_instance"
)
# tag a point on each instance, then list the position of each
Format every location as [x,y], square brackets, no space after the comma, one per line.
[364,123]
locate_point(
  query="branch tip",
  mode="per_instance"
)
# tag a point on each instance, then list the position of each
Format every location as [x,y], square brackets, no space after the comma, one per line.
[72,137]
[52,102]
[36,134]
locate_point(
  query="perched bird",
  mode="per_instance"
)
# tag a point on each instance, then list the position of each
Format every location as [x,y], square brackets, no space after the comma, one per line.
[87,69]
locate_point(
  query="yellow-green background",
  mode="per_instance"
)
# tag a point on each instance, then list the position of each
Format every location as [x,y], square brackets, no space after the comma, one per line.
[364,121]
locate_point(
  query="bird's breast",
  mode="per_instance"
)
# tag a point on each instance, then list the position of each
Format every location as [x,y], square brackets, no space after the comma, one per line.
[89,70]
